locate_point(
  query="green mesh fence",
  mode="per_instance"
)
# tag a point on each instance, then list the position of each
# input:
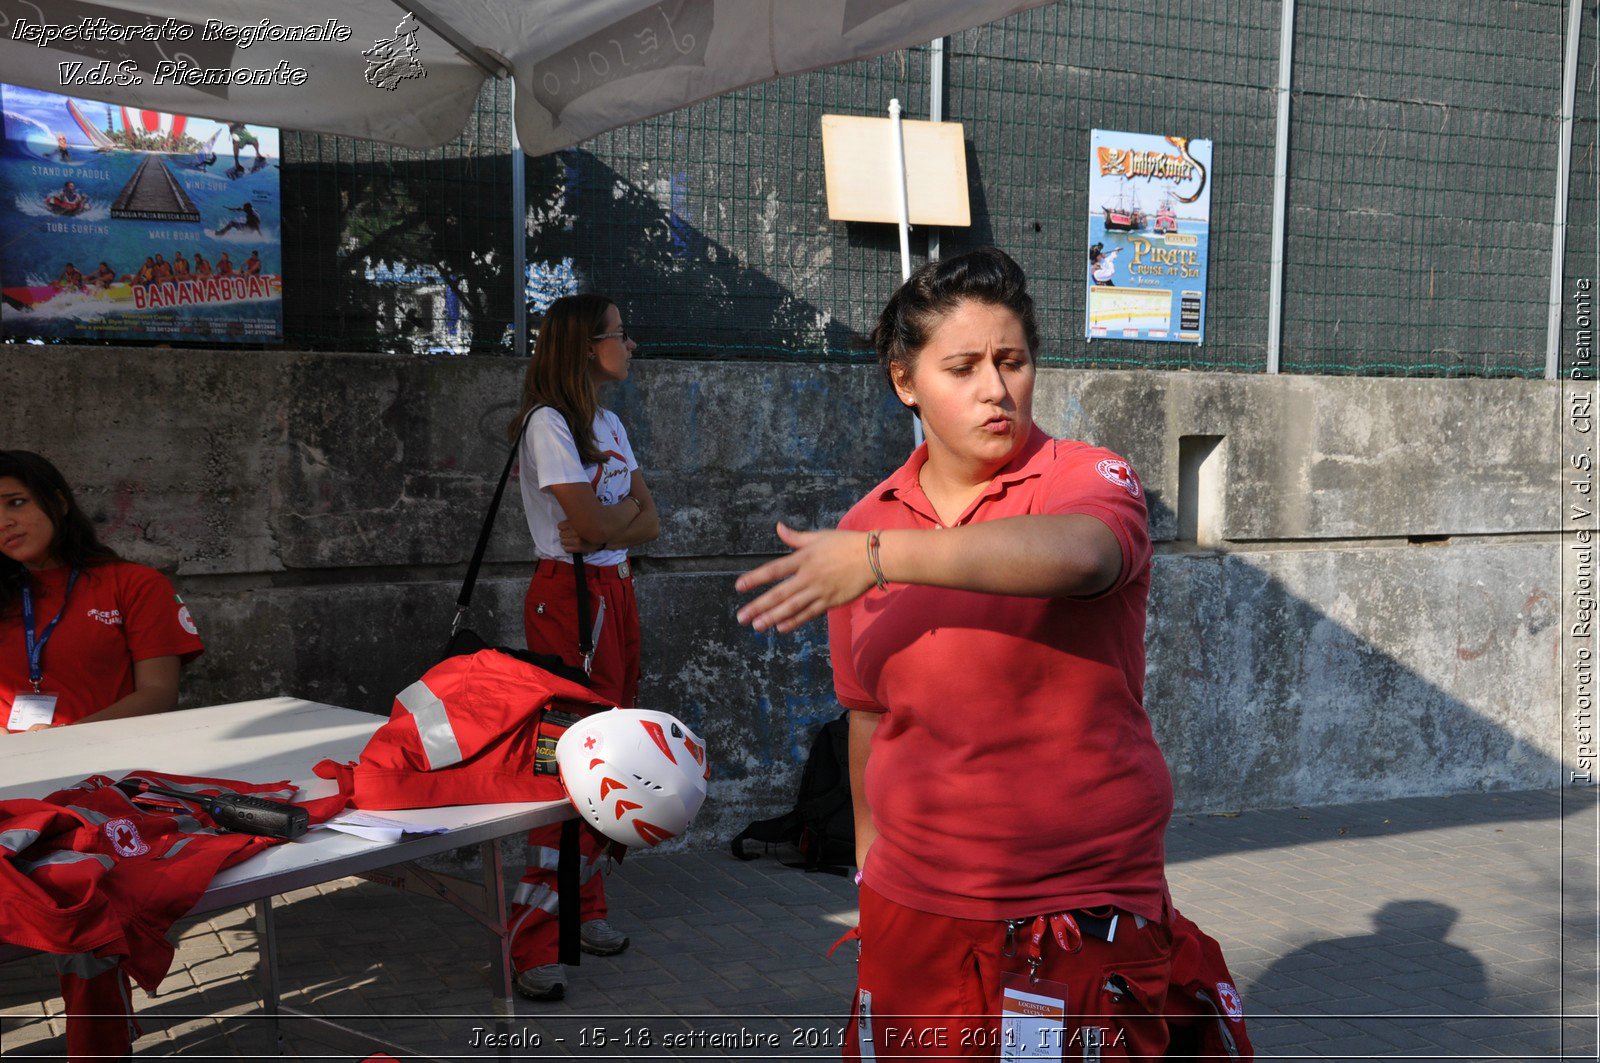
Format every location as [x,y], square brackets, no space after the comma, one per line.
[709,224]
[1424,144]
[400,251]
[1030,88]
[1420,200]
[1582,260]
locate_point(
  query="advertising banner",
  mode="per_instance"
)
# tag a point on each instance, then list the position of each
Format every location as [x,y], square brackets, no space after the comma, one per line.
[117,223]
[1149,231]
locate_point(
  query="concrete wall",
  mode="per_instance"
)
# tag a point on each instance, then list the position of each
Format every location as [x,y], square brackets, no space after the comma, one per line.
[317,511]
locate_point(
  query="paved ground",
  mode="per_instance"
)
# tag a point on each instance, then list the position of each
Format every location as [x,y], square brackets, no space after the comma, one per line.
[1426,928]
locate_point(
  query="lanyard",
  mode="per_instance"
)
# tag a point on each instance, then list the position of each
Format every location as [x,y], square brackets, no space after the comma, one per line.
[1061,925]
[36,645]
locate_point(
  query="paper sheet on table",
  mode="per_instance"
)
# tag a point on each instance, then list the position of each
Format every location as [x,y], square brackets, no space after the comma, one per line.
[375,828]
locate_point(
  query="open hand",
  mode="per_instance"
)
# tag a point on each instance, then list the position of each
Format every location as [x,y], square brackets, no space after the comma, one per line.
[826,569]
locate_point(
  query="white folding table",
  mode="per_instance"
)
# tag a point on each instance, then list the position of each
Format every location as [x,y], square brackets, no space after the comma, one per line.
[283,738]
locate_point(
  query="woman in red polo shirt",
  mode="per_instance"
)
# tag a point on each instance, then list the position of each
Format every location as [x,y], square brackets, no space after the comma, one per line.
[986,615]
[84,635]
[583,493]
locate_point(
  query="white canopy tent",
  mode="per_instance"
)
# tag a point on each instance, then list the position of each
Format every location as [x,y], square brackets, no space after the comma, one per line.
[408,73]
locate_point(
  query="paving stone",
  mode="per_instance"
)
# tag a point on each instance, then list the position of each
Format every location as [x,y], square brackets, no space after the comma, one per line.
[1445,906]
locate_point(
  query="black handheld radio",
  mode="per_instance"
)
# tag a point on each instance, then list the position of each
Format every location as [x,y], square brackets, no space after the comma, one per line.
[237,812]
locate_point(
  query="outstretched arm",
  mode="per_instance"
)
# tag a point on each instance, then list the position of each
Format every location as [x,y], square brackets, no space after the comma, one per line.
[1036,556]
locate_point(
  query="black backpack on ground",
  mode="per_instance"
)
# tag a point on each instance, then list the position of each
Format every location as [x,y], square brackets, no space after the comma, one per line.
[822,822]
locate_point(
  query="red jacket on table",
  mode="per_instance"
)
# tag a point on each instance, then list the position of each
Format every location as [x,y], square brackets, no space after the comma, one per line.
[97,880]
[466,733]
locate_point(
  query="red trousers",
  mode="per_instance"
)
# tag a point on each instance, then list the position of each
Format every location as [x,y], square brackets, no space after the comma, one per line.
[550,619]
[535,934]
[934,987]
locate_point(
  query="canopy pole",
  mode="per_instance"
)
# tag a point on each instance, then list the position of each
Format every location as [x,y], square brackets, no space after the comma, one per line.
[1280,186]
[901,198]
[935,114]
[519,233]
[1558,228]
[900,189]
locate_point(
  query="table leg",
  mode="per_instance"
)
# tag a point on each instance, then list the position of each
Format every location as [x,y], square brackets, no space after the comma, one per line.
[500,972]
[267,969]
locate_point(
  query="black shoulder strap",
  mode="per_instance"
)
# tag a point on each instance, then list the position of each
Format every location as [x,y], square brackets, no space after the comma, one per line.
[585,632]
[464,599]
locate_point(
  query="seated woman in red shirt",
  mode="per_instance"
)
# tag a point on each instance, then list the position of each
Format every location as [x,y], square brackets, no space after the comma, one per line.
[84,635]
[986,616]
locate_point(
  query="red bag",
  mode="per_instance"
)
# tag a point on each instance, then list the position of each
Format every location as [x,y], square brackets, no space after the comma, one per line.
[1204,1011]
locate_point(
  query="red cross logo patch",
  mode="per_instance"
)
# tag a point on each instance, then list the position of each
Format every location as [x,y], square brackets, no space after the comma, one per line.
[124,838]
[1120,473]
[1230,1000]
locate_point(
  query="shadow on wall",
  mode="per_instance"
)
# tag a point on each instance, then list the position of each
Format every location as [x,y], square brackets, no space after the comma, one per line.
[687,293]
[1317,677]
[1274,678]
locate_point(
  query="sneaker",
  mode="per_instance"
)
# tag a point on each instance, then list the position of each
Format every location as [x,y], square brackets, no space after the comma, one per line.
[600,938]
[548,982]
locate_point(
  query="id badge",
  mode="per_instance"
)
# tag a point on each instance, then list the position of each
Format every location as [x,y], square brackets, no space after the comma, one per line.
[30,709]
[869,1051]
[1033,1019]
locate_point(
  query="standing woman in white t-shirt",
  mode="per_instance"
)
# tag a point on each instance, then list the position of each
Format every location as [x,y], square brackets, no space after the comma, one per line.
[583,493]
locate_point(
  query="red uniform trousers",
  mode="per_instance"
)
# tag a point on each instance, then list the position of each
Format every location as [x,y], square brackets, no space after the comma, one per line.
[550,618]
[934,986]
[550,621]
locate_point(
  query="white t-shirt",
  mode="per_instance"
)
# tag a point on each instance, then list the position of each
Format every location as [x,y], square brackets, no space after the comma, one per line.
[550,456]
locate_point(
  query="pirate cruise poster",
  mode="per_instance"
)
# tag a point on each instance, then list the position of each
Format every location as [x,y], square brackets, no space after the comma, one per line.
[1149,237]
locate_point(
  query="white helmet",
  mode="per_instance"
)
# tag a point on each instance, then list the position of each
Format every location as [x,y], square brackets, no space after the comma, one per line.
[637,775]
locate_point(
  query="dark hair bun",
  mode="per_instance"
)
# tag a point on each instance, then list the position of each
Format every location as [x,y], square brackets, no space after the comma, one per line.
[987,275]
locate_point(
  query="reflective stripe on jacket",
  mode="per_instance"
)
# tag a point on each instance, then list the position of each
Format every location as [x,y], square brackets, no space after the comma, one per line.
[464,734]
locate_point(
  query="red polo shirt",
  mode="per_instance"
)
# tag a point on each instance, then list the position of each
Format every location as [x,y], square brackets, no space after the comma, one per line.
[1014,772]
[119,613]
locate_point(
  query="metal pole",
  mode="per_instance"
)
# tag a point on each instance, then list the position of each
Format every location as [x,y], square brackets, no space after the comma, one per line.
[519,233]
[899,140]
[905,221]
[935,114]
[1280,187]
[1558,236]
